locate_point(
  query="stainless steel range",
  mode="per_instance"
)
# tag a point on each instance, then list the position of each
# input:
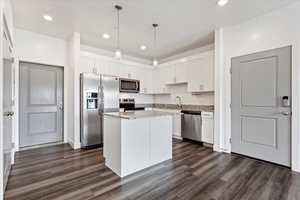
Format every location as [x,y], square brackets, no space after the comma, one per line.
[99,94]
[128,104]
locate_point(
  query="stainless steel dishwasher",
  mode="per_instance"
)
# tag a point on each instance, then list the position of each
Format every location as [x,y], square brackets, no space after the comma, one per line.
[191,125]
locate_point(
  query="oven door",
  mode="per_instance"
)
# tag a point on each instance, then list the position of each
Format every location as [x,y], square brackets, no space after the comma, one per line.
[129,85]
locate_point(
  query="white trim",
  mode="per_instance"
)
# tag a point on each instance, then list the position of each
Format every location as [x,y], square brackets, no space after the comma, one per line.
[1,102]
[295,107]
[72,144]
[111,59]
[189,53]
[177,137]
[189,58]
[219,128]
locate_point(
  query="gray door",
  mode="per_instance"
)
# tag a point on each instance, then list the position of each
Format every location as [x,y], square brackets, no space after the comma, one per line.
[41,104]
[261,116]
[7,108]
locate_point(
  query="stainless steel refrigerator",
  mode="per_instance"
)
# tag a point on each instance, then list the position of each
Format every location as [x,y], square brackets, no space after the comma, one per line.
[99,94]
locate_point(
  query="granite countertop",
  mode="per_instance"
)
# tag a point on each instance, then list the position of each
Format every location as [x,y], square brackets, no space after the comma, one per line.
[204,108]
[138,114]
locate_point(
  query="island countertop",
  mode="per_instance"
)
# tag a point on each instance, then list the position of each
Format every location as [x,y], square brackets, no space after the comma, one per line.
[138,114]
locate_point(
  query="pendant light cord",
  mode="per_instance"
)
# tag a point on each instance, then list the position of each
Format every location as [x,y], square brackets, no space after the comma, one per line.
[118,29]
[118,8]
[155,26]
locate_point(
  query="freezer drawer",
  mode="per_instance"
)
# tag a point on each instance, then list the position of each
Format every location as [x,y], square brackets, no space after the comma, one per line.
[191,126]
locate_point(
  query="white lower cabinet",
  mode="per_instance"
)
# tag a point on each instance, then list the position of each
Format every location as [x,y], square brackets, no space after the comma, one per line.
[208,127]
[176,120]
[131,145]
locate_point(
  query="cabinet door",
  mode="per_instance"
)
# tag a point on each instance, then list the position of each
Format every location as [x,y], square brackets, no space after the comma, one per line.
[180,73]
[208,130]
[108,67]
[160,139]
[168,74]
[135,145]
[140,75]
[194,75]
[87,64]
[177,125]
[159,85]
[146,81]
[201,74]
[208,70]
[125,71]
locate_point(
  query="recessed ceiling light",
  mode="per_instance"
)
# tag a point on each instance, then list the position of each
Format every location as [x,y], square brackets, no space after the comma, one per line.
[48,17]
[183,60]
[222,2]
[106,36]
[143,47]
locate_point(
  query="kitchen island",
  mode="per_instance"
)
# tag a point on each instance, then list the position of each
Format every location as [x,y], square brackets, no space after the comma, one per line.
[136,140]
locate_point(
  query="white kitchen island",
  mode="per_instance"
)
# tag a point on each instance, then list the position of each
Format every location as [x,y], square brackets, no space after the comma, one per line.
[136,140]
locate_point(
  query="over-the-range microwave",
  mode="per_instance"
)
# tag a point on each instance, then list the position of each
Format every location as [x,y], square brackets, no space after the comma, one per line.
[129,85]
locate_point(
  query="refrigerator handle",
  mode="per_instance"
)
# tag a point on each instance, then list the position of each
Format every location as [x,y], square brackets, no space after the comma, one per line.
[100,100]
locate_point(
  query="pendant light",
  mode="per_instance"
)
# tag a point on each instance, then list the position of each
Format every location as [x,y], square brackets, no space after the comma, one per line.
[155,27]
[118,52]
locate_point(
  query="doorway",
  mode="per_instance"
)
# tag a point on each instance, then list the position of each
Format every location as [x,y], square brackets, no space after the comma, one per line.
[41,104]
[261,105]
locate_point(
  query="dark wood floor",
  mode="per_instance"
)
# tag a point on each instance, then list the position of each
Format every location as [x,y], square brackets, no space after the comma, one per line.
[196,172]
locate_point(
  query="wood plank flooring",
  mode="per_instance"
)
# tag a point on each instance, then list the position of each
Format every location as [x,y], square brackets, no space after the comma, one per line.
[195,172]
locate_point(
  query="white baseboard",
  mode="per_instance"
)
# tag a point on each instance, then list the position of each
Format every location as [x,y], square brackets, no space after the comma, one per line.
[73,145]
[177,137]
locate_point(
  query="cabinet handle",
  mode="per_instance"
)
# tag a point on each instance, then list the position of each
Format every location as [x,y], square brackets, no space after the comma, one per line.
[201,87]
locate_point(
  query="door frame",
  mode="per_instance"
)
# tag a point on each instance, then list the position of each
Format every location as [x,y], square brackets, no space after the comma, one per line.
[17,104]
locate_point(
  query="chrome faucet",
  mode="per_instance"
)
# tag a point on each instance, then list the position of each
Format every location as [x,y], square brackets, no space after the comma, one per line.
[179,104]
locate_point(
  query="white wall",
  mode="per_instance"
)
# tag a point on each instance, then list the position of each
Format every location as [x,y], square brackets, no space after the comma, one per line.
[38,48]
[73,100]
[276,29]
[186,97]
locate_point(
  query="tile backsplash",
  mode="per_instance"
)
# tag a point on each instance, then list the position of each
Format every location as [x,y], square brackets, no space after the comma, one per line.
[186,97]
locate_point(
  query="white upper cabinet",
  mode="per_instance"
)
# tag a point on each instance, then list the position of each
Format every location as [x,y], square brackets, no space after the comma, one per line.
[175,73]
[125,71]
[159,80]
[145,76]
[201,74]
[87,64]
[108,67]
[197,73]
[168,72]
[180,73]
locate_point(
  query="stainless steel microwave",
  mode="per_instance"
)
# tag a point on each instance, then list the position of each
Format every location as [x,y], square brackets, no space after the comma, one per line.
[129,85]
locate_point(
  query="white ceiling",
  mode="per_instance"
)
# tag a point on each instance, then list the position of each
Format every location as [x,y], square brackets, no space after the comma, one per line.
[184,24]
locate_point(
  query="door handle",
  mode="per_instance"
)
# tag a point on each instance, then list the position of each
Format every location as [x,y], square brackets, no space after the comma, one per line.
[8,114]
[61,107]
[285,113]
